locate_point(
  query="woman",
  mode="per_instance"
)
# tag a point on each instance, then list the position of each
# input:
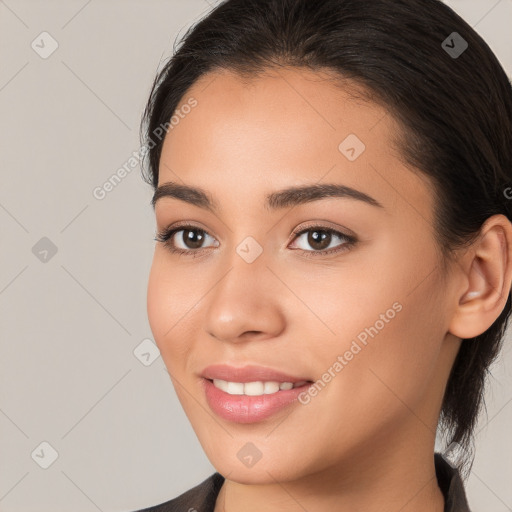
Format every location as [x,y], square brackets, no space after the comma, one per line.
[332,275]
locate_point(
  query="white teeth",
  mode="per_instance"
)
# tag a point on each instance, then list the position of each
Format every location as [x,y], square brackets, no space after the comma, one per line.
[234,388]
[271,387]
[220,384]
[256,388]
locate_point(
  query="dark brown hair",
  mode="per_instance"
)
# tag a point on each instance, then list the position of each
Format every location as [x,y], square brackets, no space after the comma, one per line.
[455,112]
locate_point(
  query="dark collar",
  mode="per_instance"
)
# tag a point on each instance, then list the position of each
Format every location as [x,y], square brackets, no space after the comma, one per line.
[452,486]
[202,497]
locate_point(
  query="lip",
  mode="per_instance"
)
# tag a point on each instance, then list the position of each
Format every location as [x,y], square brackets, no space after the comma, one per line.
[249,409]
[248,373]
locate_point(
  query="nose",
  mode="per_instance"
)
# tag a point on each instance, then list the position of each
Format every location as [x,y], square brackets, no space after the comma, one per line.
[245,303]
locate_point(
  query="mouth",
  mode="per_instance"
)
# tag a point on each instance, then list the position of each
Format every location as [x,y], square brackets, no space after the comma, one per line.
[251,393]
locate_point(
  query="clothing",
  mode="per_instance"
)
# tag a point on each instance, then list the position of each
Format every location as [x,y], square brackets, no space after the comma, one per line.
[202,497]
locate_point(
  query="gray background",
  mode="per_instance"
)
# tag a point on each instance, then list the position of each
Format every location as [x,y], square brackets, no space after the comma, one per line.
[70,324]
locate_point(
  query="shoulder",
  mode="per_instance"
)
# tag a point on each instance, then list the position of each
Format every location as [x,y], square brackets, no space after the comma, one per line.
[200,498]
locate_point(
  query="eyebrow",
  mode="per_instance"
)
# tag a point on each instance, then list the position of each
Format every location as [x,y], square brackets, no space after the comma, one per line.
[291,196]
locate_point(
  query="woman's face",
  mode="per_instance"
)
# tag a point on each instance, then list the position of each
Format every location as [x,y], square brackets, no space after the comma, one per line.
[365,323]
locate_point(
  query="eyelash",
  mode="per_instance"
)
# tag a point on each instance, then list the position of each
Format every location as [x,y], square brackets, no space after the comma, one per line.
[166,235]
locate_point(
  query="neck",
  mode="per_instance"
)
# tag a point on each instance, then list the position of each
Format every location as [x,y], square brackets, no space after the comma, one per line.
[396,482]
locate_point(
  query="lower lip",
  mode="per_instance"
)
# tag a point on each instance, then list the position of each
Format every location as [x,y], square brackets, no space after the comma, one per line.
[249,409]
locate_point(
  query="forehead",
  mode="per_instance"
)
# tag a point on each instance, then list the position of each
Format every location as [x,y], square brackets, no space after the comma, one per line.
[286,127]
[315,100]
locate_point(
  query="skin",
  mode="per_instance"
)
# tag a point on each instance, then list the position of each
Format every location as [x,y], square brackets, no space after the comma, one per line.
[366,441]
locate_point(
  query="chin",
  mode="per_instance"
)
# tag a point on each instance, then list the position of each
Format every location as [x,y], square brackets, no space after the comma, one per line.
[239,460]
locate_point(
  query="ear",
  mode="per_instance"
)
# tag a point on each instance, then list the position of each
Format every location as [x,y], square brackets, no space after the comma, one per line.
[487,268]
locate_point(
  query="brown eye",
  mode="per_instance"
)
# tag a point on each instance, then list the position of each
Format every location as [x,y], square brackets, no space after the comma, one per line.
[192,238]
[186,239]
[322,240]
[319,240]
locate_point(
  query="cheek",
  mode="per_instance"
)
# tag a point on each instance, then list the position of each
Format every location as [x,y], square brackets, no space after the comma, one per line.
[385,335]
[169,301]
[157,300]
[388,362]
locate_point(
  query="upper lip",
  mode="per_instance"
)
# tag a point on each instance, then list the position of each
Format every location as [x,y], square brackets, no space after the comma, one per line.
[248,373]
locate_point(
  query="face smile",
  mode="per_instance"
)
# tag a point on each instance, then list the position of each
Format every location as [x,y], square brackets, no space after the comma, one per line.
[288,228]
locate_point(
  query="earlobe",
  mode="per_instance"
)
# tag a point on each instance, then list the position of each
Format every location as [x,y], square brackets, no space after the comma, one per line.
[488,280]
